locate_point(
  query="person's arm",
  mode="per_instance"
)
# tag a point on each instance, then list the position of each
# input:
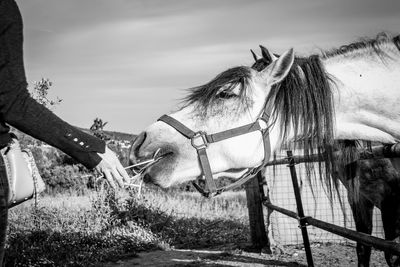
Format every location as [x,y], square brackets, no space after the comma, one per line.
[24,113]
[27,115]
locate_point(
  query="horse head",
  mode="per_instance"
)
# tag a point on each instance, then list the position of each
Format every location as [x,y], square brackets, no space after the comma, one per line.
[234,98]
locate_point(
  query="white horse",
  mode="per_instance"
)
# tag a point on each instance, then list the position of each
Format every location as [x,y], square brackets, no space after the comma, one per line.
[347,93]
[369,183]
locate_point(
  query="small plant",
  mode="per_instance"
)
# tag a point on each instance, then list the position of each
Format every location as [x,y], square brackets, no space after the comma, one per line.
[97,129]
[40,93]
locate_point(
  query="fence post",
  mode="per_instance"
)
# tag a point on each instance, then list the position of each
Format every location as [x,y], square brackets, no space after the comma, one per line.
[300,211]
[258,234]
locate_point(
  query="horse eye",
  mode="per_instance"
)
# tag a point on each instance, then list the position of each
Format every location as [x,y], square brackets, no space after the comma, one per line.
[226,95]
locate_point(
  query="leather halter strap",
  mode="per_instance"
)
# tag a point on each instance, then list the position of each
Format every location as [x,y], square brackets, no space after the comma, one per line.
[200,141]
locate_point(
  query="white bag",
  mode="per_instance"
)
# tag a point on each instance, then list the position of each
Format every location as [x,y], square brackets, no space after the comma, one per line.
[23,175]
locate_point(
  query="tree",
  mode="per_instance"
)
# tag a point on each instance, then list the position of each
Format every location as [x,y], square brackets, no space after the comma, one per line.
[97,129]
[40,93]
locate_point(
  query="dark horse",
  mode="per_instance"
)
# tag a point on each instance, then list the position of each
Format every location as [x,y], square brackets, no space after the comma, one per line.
[378,183]
[369,183]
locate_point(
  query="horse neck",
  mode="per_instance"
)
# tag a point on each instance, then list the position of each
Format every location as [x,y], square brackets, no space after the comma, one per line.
[364,60]
[366,88]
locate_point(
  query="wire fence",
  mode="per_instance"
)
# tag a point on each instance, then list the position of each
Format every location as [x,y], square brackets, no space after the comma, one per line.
[284,230]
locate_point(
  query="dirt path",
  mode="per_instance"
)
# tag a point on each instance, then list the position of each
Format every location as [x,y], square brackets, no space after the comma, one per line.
[187,257]
[323,255]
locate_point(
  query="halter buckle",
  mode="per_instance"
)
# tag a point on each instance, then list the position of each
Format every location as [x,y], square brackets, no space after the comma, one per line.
[263,123]
[199,140]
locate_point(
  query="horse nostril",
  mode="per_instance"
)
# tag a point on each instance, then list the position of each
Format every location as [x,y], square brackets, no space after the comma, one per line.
[147,178]
[135,147]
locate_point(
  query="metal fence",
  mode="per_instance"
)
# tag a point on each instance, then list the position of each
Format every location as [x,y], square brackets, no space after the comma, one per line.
[284,230]
[342,225]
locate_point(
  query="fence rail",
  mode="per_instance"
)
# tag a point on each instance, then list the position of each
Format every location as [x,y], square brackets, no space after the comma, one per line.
[375,152]
[366,239]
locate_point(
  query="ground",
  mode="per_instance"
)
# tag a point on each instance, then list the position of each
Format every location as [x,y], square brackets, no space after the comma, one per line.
[323,255]
[70,230]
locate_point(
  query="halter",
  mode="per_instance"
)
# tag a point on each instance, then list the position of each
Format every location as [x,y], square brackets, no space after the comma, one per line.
[200,141]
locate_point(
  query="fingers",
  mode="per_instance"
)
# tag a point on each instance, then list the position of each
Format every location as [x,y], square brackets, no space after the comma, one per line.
[112,169]
[117,177]
[109,177]
[123,173]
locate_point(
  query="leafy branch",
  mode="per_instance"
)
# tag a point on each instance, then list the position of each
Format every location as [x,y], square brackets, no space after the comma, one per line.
[40,93]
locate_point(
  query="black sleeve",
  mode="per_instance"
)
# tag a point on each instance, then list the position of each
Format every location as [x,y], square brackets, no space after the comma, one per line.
[24,113]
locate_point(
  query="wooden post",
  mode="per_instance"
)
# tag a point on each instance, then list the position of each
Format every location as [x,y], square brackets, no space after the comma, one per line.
[258,234]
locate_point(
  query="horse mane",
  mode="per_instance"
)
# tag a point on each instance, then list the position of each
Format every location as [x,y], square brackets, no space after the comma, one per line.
[365,44]
[303,108]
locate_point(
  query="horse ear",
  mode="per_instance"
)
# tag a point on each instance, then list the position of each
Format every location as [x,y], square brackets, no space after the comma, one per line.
[277,70]
[255,56]
[267,55]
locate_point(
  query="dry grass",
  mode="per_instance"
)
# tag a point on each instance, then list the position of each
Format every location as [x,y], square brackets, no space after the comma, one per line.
[68,230]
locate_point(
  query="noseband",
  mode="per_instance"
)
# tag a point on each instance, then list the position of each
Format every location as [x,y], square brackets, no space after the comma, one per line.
[200,141]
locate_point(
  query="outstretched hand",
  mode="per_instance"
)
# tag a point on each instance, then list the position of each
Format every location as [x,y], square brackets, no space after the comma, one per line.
[112,169]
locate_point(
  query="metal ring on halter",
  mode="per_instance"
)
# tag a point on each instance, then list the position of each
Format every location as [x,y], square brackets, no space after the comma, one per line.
[263,123]
[199,136]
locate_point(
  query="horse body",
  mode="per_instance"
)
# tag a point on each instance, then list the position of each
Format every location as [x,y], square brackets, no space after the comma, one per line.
[368,94]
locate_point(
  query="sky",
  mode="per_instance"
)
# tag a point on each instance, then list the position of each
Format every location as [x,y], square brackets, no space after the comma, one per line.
[130,61]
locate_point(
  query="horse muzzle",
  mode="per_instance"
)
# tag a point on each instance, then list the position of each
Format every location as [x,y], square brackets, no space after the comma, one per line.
[143,150]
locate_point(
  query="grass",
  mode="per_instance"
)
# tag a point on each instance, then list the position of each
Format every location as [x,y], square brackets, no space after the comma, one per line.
[70,230]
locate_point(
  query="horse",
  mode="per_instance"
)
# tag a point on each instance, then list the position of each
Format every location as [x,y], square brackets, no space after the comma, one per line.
[350,93]
[369,183]
[378,183]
